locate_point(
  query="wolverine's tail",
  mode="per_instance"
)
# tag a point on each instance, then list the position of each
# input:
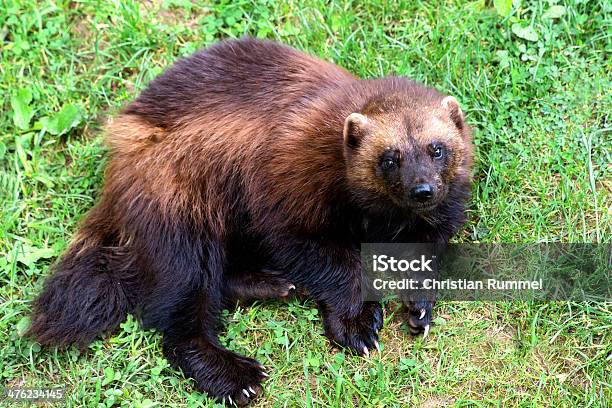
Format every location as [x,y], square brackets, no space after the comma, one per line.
[90,290]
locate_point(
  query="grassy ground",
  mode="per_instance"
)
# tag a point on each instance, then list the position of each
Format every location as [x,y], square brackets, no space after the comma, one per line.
[535,85]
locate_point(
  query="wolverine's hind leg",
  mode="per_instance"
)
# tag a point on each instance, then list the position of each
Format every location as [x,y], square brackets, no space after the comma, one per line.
[191,344]
[184,302]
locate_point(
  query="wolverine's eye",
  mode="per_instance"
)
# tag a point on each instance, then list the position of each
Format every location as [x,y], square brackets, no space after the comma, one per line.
[437,151]
[388,164]
[389,160]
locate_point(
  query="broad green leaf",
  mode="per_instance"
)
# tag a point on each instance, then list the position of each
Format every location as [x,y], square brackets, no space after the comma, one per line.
[503,7]
[407,363]
[554,12]
[30,255]
[22,111]
[2,150]
[109,376]
[63,121]
[525,32]
[22,325]
[504,58]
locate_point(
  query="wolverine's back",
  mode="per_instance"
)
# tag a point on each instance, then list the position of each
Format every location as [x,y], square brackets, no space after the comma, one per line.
[248,76]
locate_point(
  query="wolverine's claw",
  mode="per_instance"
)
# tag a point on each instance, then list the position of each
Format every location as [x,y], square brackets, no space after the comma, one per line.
[423,311]
[426,332]
[366,351]
[377,346]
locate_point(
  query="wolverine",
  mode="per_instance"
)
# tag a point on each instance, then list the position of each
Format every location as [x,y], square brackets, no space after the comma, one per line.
[247,171]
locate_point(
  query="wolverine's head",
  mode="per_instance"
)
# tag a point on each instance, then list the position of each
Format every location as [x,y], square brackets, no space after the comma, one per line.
[407,149]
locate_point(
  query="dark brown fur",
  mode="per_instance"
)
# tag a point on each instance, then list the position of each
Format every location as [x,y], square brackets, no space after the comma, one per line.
[230,178]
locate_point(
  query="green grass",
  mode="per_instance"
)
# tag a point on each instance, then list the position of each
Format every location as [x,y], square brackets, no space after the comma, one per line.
[541,112]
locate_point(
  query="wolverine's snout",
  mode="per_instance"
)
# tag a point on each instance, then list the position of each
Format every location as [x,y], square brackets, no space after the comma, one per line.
[422,192]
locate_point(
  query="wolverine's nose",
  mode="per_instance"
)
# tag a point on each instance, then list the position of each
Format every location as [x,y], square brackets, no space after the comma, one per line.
[422,192]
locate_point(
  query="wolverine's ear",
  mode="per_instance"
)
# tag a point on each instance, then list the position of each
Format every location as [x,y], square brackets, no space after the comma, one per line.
[452,106]
[356,126]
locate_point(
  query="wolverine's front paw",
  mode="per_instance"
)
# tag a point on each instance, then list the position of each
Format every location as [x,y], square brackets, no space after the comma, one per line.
[419,316]
[234,379]
[359,333]
[224,375]
[241,380]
